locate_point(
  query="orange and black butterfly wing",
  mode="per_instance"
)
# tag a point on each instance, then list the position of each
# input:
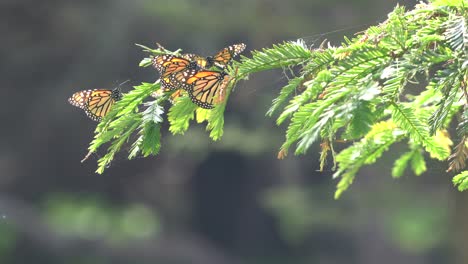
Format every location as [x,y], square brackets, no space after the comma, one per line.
[205,87]
[175,95]
[180,79]
[99,104]
[167,84]
[177,80]
[190,56]
[158,62]
[169,64]
[223,57]
[96,103]
[80,98]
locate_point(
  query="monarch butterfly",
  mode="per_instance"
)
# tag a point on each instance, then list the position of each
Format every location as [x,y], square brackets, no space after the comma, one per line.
[96,103]
[168,66]
[206,86]
[220,59]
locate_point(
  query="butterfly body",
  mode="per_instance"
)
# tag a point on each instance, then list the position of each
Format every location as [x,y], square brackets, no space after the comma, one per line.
[220,59]
[208,62]
[96,103]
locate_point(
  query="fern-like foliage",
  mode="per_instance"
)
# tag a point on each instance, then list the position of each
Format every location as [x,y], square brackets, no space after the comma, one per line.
[414,158]
[355,92]
[282,55]
[360,87]
[461,180]
[365,152]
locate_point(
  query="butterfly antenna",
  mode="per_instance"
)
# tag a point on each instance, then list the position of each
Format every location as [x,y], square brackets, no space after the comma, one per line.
[118,86]
[124,82]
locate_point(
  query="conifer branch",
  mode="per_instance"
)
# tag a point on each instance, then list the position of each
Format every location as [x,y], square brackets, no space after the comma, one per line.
[355,91]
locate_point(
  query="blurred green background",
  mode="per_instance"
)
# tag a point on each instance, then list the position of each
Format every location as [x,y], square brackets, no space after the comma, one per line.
[199,201]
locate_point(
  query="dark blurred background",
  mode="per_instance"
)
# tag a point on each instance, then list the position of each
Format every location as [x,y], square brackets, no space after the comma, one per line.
[199,201]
